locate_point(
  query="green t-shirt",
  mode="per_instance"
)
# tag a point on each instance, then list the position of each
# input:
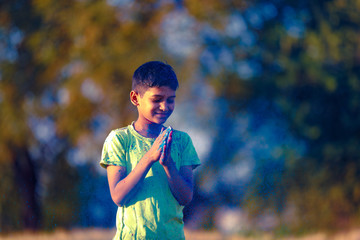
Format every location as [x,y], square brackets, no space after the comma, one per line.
[152,212]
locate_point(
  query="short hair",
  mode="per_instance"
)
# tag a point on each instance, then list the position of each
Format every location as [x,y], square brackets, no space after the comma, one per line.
[154,74]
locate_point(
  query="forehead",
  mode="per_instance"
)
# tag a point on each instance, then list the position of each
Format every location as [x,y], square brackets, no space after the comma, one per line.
[160,91]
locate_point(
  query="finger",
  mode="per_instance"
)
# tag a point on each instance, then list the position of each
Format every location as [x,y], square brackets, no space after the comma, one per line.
[162,134]
[159,140]
[162,143]
[168,144]
[162,156]
[169,138]
[162,131]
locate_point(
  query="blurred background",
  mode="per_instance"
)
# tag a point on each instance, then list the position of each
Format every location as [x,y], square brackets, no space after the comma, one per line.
[269,93]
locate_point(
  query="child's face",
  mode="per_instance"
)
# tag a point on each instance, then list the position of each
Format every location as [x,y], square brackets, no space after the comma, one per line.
[156,104]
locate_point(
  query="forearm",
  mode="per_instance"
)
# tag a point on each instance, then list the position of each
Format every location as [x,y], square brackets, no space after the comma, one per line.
[124,188]
[180,183]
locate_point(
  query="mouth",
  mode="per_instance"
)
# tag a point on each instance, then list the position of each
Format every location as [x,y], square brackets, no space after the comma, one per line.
[163,115]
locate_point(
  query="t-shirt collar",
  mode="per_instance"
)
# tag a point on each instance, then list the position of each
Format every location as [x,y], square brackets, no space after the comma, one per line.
[138,135]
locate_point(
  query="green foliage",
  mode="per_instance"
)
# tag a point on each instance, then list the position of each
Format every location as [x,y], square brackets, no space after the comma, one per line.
[316,96]
[309,57]
[67,63]
[303,57]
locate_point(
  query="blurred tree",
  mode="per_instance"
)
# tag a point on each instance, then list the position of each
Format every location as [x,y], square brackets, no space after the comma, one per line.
[303,56]
[315,54]
[64,65]
[65,72]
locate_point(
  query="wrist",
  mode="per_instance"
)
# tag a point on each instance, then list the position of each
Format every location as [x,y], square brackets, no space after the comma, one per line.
[169,163]
[149,159]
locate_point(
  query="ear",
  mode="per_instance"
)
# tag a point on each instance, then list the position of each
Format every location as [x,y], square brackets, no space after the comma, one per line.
[134,98]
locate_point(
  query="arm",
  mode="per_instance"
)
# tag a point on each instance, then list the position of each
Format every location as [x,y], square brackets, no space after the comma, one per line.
[122,185]
[180,181]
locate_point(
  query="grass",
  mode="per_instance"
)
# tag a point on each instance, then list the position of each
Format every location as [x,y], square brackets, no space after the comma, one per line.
[107,234]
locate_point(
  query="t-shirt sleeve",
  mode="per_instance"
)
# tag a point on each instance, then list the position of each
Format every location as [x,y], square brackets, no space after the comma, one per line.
[113,152]
[189,155]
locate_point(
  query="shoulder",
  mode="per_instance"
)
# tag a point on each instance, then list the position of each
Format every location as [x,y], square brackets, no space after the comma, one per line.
[118,134]
[181,137]
[124,131]
[180,134]
[183,143]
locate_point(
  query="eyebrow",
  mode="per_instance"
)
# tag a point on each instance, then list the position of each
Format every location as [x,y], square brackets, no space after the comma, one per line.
[157,96]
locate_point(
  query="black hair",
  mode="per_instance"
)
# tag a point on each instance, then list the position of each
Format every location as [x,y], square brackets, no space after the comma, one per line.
[154,74]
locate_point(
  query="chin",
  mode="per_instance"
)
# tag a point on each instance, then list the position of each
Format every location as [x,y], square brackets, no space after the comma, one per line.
[161,121]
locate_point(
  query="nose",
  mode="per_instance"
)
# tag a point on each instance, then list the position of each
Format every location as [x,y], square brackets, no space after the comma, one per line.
[163,106]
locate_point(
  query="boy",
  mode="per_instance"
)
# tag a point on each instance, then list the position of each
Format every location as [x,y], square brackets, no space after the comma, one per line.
[149,168]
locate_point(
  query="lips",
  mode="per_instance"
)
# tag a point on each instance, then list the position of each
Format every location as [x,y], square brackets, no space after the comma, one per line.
[163,115]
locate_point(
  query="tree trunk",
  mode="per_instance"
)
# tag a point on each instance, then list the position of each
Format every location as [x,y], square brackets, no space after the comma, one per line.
[26,182]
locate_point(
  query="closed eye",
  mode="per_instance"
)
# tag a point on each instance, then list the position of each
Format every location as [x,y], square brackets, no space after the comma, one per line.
[158,99]
[171,100]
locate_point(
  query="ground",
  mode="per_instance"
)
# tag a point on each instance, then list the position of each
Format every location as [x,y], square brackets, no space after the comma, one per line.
[106,234]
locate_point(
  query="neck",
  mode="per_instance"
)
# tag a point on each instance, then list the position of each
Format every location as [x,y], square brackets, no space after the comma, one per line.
[149,130]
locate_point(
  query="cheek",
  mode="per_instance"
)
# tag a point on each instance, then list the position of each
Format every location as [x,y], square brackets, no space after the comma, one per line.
[153,107]
[172,107]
